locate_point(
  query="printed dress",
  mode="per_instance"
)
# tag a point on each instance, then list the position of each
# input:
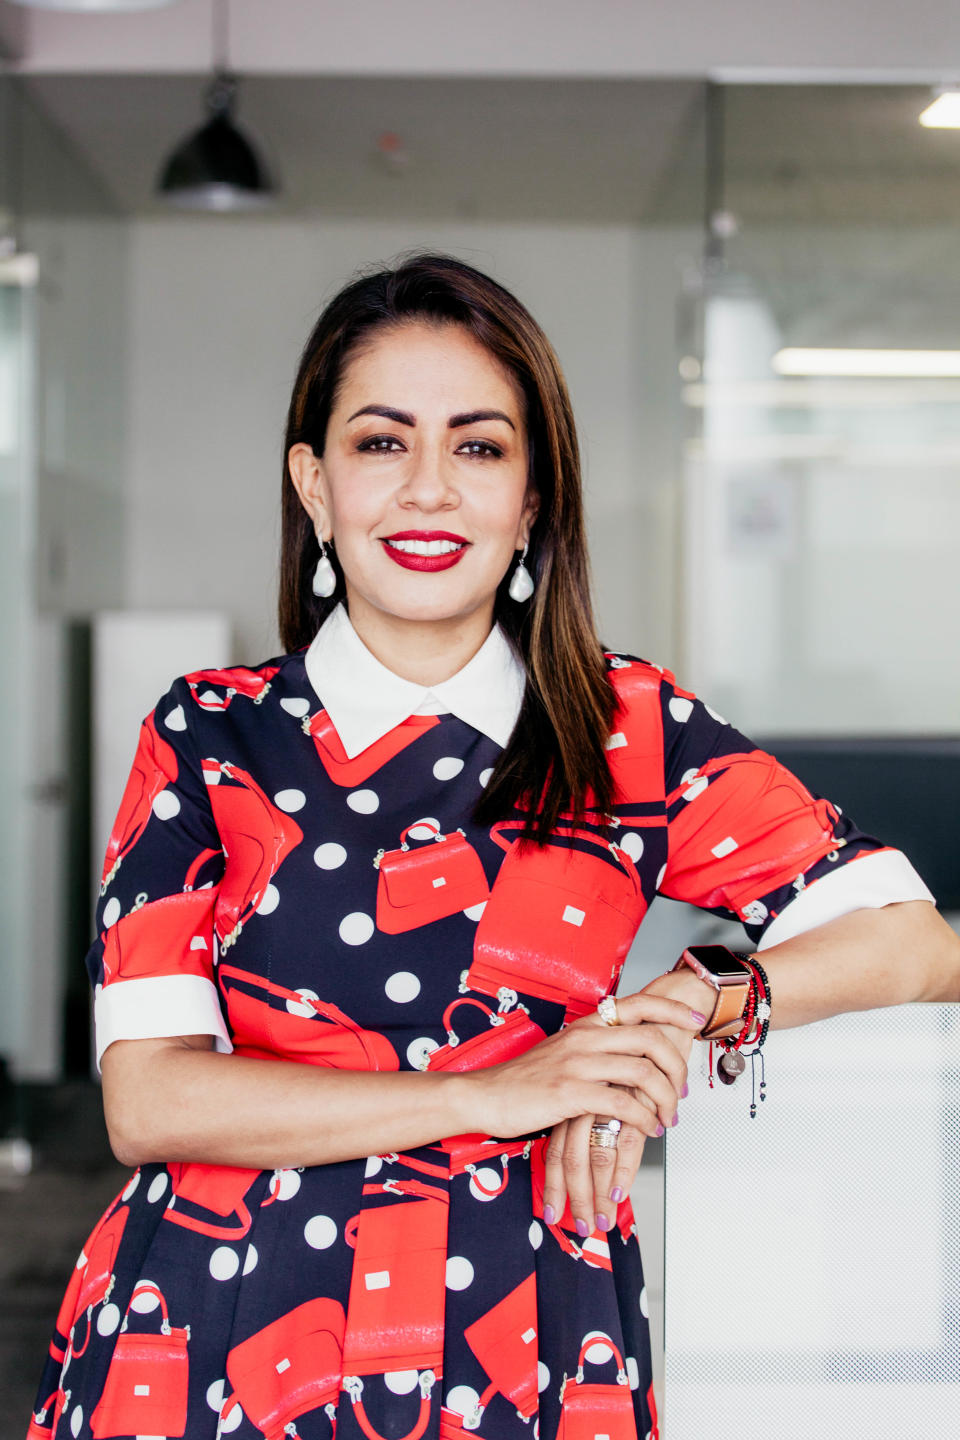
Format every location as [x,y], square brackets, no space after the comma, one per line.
[348,912]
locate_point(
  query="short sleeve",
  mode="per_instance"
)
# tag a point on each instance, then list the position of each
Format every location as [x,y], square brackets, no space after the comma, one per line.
[152,962]
[747,840]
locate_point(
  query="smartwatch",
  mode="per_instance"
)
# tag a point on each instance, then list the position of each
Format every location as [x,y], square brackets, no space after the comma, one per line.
[730,977]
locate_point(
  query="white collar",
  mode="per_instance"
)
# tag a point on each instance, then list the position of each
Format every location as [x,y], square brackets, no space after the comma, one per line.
[365,700]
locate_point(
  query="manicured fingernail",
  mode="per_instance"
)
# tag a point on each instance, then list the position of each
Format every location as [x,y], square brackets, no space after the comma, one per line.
[583,1229]
[684,1092]
[700,1019]
[659,1130]
[549,1214]
[675,1119]
[616,1194]
[602,1222]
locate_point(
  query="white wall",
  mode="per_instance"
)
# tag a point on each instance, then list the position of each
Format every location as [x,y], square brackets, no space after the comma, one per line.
[218,314]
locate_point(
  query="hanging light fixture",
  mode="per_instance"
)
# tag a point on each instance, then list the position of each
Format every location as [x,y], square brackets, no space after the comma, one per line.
[216,168]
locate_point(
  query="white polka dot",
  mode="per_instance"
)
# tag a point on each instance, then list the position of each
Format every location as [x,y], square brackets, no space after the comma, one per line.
[535,1234]
[284,1184]
[373,1166]
[425,828]
[462,1400]
[697,788]
[633,1371]
[320,1232]
[473,912]
[130,1186]
[295,706]
[756,912]
[166,805]
[459,1272]
[681,709]
[108,1319]
[419,1051]
[145,1298]
[250,1259]
[663,871]
[231,1420]
[302,1007]
[111,912]
[270,901]
[401,1382]
[363,801]
[290,800]
[543,1376]
[632,844]
[215,1396]
[158,1186]
[402,986]
[644,1306]
[356,928]
[485,1184]
[224,1263]
[719,719]
[485,775]
[688,776]
[446,767]
[76,1420]
[724,847]
[176,720]
[329,856]
[600,1351]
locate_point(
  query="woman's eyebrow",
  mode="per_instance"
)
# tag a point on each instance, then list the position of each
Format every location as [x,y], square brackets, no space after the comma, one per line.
[403,417]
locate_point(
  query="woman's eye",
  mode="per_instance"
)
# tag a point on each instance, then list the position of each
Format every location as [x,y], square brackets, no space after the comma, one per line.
[380,444]
[481,447]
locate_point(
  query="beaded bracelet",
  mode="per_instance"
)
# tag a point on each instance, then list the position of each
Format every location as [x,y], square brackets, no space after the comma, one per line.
[756,1013]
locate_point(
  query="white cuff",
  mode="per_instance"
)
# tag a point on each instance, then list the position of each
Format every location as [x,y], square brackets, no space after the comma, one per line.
[878,878]
[158,1006]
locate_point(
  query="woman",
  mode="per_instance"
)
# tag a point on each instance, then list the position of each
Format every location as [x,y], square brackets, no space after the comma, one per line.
[359,910]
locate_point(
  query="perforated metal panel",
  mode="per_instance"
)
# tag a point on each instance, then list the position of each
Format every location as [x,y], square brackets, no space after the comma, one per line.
[812,1270]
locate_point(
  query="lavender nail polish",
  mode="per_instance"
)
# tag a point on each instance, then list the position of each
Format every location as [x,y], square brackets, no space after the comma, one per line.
[616,1194]
[583,1230]
[549,1214]
[684,1092]
[675,1119]
[602,1222]
[659,1130]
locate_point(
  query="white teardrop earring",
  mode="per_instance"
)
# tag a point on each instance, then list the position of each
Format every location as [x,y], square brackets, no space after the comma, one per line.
[324,577]
[521,581]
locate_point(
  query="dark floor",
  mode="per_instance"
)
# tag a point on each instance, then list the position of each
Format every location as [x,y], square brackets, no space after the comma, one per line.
[44,1219]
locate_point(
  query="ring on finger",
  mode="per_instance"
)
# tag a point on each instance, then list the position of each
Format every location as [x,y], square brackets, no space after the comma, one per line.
[604,1133]
[608,1012]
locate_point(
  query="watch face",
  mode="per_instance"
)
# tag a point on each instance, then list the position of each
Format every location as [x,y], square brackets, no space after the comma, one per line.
[719,961]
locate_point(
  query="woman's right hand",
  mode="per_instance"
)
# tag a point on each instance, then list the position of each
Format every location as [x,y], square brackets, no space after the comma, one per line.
[590,1068]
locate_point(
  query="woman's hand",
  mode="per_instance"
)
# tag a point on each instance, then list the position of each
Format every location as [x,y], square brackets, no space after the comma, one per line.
[590,1067]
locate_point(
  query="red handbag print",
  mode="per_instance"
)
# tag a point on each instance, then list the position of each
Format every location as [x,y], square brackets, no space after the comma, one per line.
[398,1285]
[97,1276]
[254,684]
[510,1032]
[482,1159]
[559,921]
[588,1410]
[452,1426]
[753,828]
[504,1340]
[38,1429]
[162,938]
[257,838]
[338,765]
[287,1368]
[635,745]
[429,882]
[276,1023]
[217,1190]
[145,1392]
[354,1388]
[154,768]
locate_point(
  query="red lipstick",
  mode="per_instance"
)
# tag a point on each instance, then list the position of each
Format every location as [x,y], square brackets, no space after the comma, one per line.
[411,560]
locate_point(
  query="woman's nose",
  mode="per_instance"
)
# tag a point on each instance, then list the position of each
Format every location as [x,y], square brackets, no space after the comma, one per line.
[429,485]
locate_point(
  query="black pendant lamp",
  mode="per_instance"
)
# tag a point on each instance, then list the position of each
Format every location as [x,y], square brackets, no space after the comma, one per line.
[217,168]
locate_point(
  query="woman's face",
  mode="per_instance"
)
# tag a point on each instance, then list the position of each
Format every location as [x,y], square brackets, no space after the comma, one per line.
[423,479]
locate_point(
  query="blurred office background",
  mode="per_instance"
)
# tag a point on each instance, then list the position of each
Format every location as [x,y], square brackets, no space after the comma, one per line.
[742,242]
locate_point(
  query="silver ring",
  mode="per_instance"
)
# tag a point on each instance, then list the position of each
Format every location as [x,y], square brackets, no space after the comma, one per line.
[607,1010]
[603,1133]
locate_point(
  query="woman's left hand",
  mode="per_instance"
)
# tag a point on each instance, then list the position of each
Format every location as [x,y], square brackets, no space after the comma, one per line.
[597,1178]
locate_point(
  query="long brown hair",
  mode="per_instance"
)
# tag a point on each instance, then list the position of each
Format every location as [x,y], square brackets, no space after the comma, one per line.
[555,759]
